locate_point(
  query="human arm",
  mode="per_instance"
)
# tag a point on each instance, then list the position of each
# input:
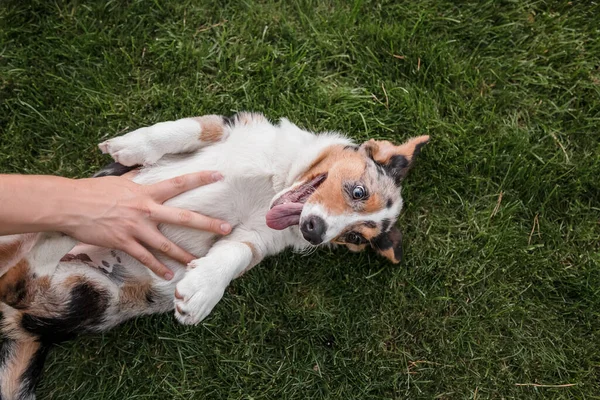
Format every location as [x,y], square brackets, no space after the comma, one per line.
[111,212]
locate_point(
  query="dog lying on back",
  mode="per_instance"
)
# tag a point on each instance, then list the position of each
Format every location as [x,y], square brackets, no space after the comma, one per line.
[283,187]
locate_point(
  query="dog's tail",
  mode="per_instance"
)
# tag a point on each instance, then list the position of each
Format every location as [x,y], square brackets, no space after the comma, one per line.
[21,362]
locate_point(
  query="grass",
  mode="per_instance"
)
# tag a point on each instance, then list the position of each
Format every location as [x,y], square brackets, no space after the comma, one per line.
[501,280]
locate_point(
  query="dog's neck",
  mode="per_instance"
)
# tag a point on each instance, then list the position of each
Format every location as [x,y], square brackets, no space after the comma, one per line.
[297,151]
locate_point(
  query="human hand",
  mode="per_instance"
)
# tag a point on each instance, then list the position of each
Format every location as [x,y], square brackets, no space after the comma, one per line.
[117,213]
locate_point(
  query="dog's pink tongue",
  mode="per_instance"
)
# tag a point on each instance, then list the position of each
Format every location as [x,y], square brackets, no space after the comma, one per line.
[284,215]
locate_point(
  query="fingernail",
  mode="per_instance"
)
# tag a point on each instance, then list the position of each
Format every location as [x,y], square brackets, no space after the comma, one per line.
[225,228]
[168,276]
[216,176]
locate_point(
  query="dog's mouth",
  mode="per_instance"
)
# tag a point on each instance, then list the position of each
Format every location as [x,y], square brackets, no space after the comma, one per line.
[285,210]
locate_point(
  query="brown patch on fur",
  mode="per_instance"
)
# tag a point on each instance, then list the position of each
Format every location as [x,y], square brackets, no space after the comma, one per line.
[43,283]
[374,203]
[211,128]
[13,250]
[20,356]
[74,280]
[9,250]
[335,161]
[77,257]
[15,288]
[134,295]
[355,248]
[369,233]
[389,254]
[18,287]
[11,324]
[256,258]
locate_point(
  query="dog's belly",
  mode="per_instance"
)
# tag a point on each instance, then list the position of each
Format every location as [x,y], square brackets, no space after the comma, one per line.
[242,199]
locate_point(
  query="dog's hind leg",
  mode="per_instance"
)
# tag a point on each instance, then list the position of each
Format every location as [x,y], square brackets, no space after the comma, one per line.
[145,146]
[30,274]
[74,302]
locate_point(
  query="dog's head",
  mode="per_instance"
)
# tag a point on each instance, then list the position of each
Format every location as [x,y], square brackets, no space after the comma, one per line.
[350,195]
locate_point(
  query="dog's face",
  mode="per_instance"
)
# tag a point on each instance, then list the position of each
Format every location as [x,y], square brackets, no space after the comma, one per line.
[351,196]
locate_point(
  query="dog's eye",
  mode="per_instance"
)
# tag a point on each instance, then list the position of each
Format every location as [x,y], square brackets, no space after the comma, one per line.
[358,192]
[353,238]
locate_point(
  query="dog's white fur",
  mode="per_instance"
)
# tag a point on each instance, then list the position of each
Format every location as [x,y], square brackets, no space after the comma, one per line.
[258,161]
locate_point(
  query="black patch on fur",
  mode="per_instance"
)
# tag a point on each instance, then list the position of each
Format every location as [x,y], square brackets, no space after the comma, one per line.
[388,240]
[385,225]
[398,252]
[15,294]
[84,312]
[150,295]
[380,168]
[6,350]
[114,169]
[33,372]
[229,121]
[118,273]
[389,203]
[106,264]
[418,149]
[397,167]
[119,259]
[382,242]
[370,224]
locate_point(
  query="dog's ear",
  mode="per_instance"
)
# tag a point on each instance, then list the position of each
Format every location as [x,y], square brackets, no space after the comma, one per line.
[389,245]
[397,160]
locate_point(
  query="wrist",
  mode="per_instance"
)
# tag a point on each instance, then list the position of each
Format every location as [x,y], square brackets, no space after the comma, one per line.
[61,210]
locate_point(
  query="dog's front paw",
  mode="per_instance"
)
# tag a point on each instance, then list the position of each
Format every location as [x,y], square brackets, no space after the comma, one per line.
[198,292]
[132,149]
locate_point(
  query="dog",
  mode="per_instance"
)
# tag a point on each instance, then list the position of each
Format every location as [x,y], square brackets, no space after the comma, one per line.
[283,187]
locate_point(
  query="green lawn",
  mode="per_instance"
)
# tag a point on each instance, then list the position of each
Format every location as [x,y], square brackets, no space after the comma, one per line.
[500,285]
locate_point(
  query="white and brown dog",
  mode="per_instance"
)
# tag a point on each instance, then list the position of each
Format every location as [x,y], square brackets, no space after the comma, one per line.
[283,187]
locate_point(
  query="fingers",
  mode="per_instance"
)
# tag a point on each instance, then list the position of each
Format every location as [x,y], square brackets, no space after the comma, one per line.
[141,254]
[164,190]
[155,239]
[190,219]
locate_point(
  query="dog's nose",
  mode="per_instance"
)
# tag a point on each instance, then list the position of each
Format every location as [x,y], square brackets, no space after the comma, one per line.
[313,229]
